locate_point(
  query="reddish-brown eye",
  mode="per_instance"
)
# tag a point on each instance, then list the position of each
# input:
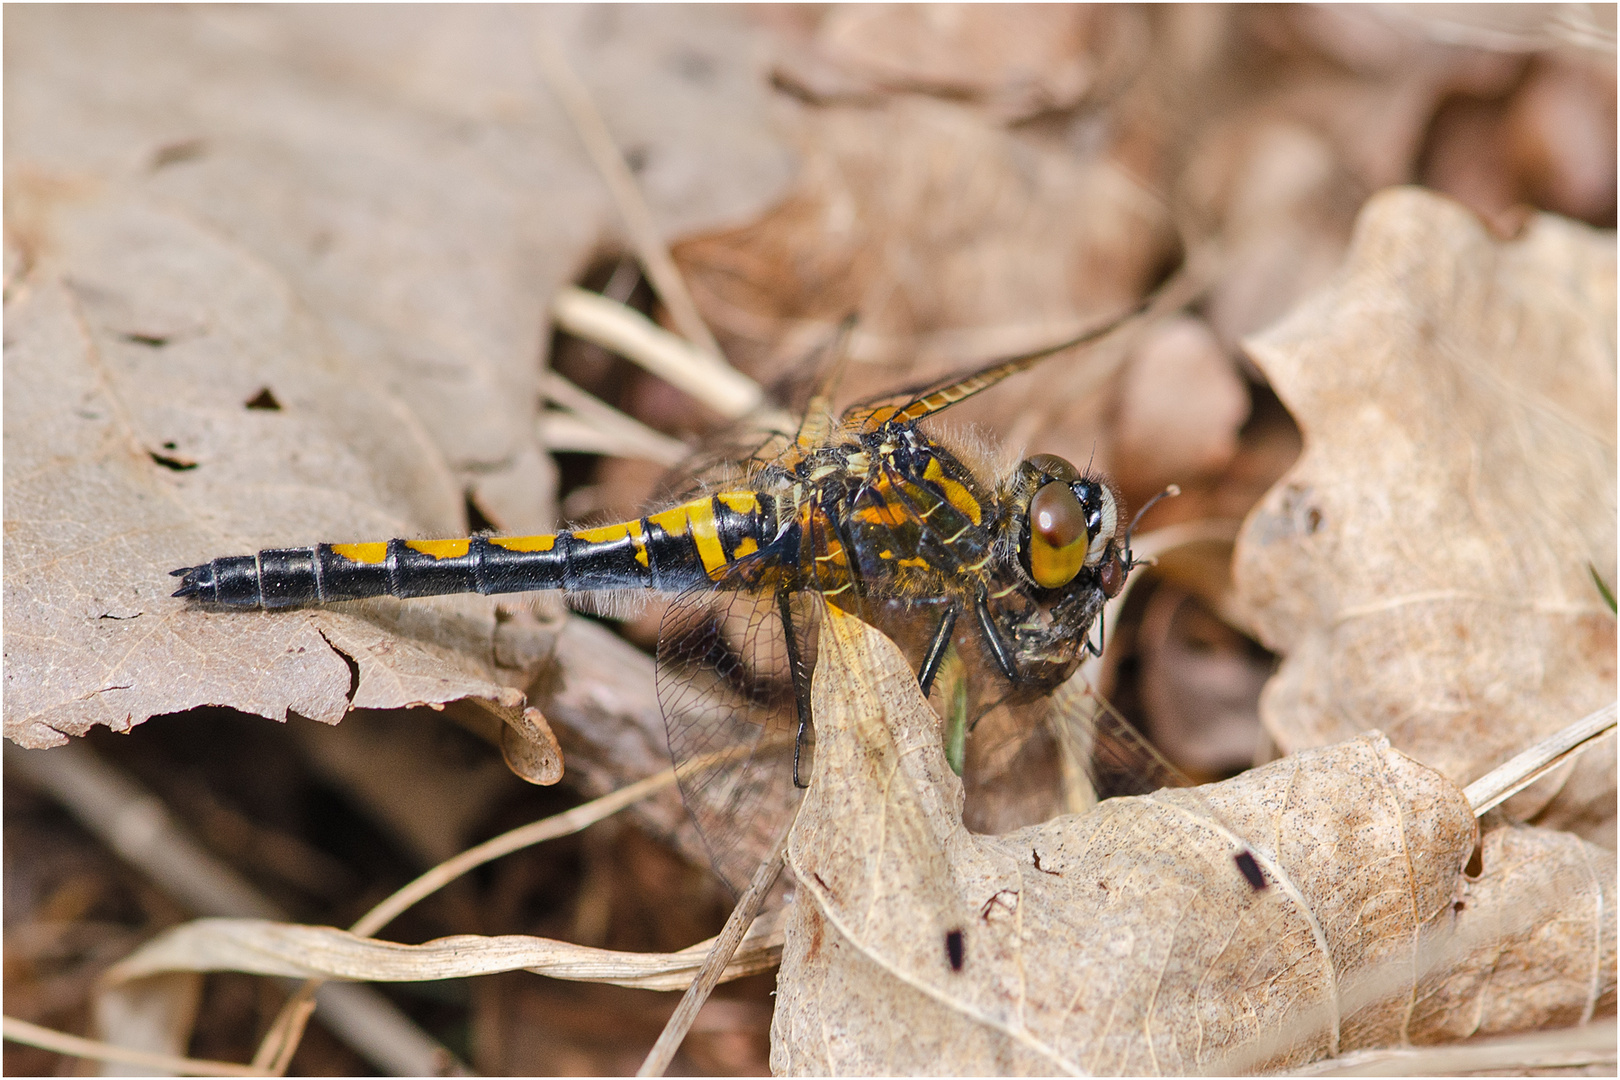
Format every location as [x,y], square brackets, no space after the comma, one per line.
[1057,536]
[1111,575]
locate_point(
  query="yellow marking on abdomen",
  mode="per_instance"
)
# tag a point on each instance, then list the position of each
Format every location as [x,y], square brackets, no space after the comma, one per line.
[440,549]
[672,521]
[955,494]
[525,543]
[695,519]
[605,534]
[745,546]
[362,553]
[743,502]
[639,539]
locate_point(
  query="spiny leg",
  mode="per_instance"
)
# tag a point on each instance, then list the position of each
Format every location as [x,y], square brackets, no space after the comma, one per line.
[936,650]
[801,684]
[1102,634]
[992,638]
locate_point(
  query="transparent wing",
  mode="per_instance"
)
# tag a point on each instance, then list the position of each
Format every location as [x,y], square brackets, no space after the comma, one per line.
[726,689]
[1028,758]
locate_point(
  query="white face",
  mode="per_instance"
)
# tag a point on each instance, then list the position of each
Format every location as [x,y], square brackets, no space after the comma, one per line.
[1105,530]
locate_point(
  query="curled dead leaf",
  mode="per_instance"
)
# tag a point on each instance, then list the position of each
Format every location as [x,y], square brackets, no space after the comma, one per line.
[1423,566]
[1123,940]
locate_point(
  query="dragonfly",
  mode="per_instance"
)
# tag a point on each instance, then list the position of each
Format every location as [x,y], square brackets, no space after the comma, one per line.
[995,582]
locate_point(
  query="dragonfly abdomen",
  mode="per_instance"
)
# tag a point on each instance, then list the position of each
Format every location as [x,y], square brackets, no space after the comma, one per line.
[666,551]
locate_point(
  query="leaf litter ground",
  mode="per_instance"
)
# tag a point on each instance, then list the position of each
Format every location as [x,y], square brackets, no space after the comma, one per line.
[173,254]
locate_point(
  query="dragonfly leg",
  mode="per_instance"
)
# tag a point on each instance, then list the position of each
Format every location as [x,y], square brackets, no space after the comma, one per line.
[936,650]
[801,685]
[1102,634]
[992,638]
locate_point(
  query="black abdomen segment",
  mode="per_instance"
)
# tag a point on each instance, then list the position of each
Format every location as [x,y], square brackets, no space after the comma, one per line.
[666,551]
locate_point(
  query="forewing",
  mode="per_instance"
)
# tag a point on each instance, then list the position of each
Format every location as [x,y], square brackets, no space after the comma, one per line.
[727,694]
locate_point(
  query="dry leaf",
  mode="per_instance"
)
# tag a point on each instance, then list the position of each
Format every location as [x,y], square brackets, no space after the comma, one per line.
[1013,60]
[953,241]
[96,520]
[278,276]
[1534,943]
[1424,565]
[1181,403]
[1124,940]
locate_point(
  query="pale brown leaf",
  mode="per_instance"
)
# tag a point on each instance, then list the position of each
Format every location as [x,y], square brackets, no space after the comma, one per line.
[280,276]
[1534,941]
[1123,940]
[1424,566]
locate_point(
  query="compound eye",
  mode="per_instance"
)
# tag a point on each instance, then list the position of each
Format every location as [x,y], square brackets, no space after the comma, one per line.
[1111,576]
[1055,467]
[1057,536]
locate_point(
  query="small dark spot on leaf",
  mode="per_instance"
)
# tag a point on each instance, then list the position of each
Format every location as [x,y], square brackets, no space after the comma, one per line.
[825,887]
[1457,906]
[264,399]
[119,618]
[178,464]
[171,445]
[636,157]
[1103,885]
[1250,869]
[955,949]
[1041,868]
[175,153]
[151,341]
[1313,520]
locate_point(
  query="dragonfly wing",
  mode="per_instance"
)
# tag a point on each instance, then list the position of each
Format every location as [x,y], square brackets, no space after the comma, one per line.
[726,689]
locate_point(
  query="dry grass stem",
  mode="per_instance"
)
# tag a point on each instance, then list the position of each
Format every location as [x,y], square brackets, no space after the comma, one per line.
[294,950]
[714,965]
[638,339]
[586,424]
[564,824]
[638,220]
[21,1031]
[1587,1046]
[1519,772]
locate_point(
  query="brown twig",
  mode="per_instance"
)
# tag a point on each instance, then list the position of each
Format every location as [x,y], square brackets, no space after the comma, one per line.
[725,946]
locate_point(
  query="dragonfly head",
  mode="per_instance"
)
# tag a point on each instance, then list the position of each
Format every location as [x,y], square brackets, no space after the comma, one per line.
[1067,522]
